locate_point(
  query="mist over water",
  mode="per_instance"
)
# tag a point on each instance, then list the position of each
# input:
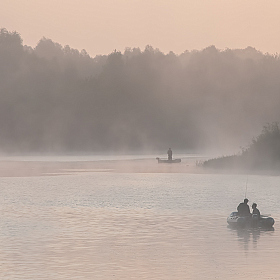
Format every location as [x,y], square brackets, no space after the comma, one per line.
[85,211]
[55,99]
[124,224]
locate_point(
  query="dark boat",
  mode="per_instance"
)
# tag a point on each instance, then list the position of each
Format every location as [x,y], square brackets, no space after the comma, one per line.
[177,160]
[250,221]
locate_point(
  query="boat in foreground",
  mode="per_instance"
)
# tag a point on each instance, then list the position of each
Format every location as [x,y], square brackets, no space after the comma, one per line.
[249,221]
[177,160]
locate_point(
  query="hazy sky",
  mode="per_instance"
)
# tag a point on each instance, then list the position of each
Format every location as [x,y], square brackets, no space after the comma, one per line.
[100,26]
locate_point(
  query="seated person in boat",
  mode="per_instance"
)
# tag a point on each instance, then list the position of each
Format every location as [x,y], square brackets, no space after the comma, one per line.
[256,211]
[243,208]
[169,153]
[256,215]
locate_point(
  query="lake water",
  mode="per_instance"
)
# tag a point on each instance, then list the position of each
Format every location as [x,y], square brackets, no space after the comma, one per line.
[135,225]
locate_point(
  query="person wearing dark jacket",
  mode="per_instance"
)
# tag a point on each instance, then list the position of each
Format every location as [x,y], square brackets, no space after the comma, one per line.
[169,153]
[256,211]
[243,208]
[256,215]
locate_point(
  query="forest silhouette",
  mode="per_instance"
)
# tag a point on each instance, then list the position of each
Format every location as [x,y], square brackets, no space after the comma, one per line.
[58,99]
[263,153]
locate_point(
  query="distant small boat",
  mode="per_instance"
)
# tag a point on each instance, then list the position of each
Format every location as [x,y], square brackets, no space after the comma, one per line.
[177,160]
[250,221]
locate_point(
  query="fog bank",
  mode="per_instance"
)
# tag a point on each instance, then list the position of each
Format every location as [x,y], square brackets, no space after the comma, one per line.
[57,99]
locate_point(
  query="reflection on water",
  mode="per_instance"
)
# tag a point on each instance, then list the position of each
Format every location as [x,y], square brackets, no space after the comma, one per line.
[133,226]
[249,237]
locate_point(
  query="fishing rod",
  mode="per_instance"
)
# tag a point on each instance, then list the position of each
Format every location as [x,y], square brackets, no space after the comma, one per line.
[246,187]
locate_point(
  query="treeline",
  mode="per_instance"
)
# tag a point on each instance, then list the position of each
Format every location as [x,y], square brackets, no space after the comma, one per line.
[262,154]
[58,99]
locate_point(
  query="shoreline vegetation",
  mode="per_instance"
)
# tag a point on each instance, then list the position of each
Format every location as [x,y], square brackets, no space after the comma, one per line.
[263,154]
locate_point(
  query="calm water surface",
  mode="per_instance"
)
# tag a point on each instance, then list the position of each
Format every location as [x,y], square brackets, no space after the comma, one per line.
[105,225]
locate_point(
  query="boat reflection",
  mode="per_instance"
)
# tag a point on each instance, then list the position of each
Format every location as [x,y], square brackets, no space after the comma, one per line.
[250,236]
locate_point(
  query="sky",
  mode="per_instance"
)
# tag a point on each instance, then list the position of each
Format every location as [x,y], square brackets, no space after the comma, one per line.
[102,26]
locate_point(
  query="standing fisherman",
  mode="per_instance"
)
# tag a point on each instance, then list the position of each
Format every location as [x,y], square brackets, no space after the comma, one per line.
[169,153]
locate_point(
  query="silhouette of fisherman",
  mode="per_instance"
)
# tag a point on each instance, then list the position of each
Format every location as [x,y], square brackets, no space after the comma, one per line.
[256,211]
[169,153]
[243,208]
[256,215]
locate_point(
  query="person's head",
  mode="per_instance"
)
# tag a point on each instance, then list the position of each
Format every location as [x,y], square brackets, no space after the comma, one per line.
[246,200]
[254,205]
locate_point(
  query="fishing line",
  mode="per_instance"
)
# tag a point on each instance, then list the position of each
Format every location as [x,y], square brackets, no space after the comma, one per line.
[246,187]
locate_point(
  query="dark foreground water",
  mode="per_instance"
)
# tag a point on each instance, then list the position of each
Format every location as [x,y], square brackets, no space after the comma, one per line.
[106,225]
